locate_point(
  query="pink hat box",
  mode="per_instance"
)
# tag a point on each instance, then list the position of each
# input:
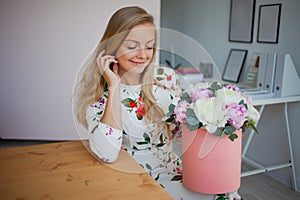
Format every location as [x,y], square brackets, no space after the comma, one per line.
[211,165]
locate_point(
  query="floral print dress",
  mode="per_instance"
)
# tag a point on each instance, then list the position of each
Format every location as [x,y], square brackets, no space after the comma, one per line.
[148,144]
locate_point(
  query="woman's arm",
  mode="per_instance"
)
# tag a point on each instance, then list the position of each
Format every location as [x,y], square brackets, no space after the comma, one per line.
[104,120]
[112,114]
[105,140]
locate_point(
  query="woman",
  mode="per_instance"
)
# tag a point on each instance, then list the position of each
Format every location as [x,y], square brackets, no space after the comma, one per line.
[123,98]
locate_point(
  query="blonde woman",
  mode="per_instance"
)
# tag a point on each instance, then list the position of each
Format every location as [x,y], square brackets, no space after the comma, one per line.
[121,98]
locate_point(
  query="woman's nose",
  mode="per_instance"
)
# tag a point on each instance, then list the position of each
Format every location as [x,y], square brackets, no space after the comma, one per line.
[141,53]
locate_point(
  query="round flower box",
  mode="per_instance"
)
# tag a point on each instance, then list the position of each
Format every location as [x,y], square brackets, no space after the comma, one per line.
[211,165]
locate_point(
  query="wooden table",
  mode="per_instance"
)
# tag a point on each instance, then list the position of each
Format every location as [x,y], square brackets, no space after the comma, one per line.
[66,170]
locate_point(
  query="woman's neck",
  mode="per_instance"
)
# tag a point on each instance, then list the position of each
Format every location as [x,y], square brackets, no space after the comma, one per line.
[131,79]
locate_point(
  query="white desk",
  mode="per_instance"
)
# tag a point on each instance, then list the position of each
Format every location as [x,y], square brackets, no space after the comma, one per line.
[262,101]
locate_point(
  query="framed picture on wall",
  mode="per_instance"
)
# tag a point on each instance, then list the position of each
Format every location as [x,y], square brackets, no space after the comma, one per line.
[234,65]
[241,20]
[268,25]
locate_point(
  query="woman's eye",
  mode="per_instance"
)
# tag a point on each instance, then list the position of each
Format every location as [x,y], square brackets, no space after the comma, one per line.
[131,47]
[150,47]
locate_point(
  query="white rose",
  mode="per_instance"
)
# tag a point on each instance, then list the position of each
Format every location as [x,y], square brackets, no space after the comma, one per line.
[210,113]
[228,96]
[253,113]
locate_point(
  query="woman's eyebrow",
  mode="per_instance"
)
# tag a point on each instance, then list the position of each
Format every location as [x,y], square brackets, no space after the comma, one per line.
[132,40]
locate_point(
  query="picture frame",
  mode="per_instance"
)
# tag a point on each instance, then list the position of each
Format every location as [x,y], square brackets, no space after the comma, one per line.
[241,21]
[234,65]
[268,24]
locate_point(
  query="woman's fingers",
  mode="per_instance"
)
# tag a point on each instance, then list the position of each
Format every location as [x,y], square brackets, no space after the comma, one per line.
[104,61]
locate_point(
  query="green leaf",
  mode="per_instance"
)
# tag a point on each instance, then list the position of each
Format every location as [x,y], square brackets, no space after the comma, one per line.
[193,127]
[233,136]
[157,177]
[252,125]
[160,71]
[171,119]
[218,132]
[139,117]
[94,129]
[135,148]
[229,130]
[221,197]
[161,138]
[160,145]
[242,102]
[126,102]
[191,120]
[186,96]
[171,110]
[159,78]
[147,138]
[141,143]
[190,112]
[148,166]
[216,86]
[177,178]
[100,112]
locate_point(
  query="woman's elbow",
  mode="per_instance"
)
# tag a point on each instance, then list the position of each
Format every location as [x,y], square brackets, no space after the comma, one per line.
[104,155]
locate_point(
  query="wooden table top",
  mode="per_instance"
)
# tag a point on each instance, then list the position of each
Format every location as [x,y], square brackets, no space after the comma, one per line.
[66,170]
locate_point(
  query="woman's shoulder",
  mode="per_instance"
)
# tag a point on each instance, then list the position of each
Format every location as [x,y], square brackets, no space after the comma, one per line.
[166,77]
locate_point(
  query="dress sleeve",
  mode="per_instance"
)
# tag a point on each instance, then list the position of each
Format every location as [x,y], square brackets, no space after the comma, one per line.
[105,142]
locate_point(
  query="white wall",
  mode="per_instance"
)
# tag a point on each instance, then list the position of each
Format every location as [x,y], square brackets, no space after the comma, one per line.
[43,44]
[207,21]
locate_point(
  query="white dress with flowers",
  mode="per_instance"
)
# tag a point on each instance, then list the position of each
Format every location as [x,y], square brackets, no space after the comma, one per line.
[148,144]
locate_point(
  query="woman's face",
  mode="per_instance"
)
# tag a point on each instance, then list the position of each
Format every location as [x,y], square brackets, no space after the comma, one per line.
[136,52]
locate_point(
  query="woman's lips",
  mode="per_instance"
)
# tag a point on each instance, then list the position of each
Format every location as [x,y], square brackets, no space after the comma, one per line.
[138,62]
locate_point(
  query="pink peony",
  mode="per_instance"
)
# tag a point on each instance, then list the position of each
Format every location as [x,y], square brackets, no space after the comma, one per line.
[180,111]
[233,87]
[201,93]
[237,114]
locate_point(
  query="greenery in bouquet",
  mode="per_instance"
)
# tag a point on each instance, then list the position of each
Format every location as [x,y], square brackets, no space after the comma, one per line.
[220,109]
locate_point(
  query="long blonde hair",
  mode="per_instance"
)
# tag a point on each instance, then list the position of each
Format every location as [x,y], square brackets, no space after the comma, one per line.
[90,85]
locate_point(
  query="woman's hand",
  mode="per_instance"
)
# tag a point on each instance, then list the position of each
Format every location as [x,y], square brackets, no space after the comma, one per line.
[112,114]
[110,75]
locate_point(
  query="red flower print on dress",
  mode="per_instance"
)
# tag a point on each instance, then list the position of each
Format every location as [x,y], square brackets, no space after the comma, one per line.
[136,105]
[133,104]
[141,99]
[140,112]
[169,77]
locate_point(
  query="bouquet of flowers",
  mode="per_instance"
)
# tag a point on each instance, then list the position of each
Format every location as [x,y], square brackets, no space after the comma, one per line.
[220,109]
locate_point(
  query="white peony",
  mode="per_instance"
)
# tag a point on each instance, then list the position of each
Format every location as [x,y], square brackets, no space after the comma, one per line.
[210,113]
[228,96]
